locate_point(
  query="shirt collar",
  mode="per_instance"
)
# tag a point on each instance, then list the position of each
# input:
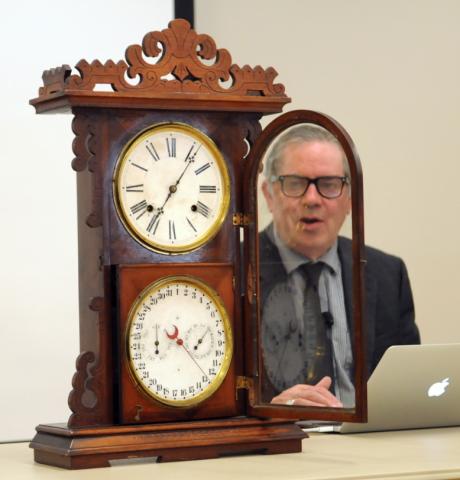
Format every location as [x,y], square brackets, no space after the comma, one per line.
[292,260]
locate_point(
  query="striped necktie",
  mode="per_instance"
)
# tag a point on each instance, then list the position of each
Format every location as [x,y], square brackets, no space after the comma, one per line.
[318,345]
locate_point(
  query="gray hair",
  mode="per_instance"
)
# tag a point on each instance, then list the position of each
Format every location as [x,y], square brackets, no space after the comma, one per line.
[306,132]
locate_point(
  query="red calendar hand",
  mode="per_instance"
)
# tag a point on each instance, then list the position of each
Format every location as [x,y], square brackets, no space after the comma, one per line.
[174,335]
[180,342]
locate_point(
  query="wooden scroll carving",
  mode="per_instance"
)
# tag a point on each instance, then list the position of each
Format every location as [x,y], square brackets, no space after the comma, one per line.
[84,147]
[176,60]
[82,400]
[88,395]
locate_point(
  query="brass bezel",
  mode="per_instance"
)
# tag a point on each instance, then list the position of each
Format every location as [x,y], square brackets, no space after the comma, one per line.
[131,227]
[214,296]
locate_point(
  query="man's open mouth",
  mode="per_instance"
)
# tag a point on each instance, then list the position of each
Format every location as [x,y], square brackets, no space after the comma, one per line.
[310,220]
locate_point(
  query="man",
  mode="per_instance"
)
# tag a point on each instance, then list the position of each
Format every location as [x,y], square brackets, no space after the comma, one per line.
[307,190]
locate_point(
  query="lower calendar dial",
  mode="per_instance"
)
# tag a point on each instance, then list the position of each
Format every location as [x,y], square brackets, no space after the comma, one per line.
[179,341]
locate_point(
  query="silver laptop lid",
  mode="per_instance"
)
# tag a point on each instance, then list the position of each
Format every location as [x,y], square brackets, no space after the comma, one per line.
[413,386]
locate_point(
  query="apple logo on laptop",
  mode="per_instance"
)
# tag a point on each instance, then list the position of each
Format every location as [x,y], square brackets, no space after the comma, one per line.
[438,388]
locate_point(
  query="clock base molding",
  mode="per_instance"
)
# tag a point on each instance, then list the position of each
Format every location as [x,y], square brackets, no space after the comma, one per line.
[91,447]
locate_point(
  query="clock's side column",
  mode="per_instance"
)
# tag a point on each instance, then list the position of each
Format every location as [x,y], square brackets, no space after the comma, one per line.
[90,399]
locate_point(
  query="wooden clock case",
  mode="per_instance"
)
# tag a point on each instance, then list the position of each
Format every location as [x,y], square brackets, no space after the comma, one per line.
[112,418]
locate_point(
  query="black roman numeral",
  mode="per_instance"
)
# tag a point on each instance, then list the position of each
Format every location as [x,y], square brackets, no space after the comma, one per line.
[152,150]
[208,189]
[154,222]
[191,157]
[171,144]
[138,166]
[191,224]
[203,209]
[139,207]
[190,151]
[135,188]
[202,168]
[172,230]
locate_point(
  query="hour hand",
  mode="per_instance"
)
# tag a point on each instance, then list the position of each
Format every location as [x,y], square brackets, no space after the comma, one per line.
[200,340]
[157,342]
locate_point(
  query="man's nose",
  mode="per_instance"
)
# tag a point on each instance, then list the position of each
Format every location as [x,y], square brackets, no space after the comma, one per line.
[311,195]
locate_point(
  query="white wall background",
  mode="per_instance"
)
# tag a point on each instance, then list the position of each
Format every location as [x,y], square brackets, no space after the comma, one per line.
[389,72]
[38,243]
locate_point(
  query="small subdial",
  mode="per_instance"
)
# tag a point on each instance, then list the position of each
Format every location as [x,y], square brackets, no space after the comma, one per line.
[200,340]
[152,344]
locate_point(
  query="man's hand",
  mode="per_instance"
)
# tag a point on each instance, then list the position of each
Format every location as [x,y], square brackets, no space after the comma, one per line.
[302,395]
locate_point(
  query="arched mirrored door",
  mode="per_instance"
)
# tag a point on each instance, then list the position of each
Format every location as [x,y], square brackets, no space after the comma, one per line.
[305,248]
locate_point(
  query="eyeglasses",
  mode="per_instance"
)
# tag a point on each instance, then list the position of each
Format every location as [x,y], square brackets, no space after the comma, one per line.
[296,186]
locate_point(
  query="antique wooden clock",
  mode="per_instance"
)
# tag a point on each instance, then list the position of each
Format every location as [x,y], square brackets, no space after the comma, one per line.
[166,164]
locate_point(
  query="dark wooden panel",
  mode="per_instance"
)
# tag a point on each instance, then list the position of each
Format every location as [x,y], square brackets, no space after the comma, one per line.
[135,405]
[95,447]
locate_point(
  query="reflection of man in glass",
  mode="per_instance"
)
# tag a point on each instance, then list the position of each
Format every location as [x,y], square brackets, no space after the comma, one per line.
[307,190]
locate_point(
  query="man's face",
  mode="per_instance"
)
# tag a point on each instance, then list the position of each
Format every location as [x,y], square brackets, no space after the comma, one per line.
[308,224]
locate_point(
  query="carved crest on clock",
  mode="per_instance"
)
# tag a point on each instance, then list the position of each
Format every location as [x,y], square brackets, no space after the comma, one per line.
[174,60]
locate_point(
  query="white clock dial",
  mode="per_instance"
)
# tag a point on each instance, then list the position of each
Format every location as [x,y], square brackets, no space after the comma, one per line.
[172,188]
[284,343]
[179,341]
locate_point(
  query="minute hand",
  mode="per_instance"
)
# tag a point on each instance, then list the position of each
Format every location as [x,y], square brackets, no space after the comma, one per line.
[173,188]
[190,160]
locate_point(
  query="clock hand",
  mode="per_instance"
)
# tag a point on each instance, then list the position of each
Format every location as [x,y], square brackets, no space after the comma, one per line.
[173,335]
[189,159]
[173,188]
[280,362]
[157,343]
[287,337]
[180,342]
[200,340]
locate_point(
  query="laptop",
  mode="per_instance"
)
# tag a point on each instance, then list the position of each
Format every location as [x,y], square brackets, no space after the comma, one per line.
[413,386]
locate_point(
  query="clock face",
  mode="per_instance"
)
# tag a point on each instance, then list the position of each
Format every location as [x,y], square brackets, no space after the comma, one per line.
[172,188]
[284,342]
[179,341]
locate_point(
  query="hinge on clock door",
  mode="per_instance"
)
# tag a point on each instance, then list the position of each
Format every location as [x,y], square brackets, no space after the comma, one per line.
[247,384]
[241,219]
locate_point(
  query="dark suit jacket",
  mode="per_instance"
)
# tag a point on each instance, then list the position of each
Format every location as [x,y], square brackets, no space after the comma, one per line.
[389,307]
